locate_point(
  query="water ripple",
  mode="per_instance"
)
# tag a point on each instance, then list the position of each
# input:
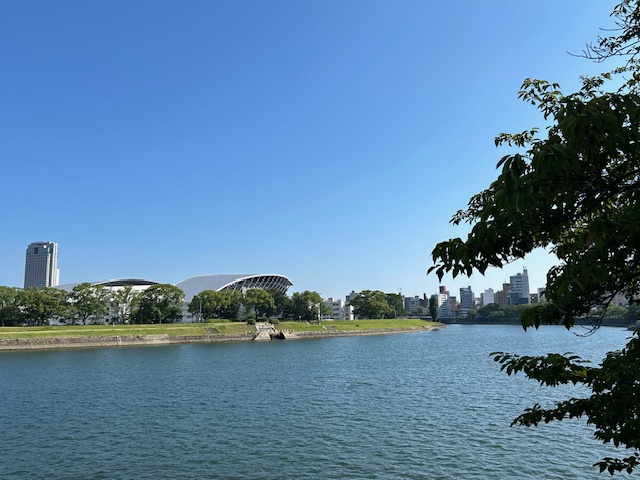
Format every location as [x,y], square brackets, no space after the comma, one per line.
[428,405]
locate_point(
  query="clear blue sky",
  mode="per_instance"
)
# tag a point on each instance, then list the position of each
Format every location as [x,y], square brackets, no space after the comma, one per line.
[328,141]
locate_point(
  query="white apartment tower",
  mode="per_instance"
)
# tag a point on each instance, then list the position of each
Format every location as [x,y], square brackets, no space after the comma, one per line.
[488,297]
[519,292]
[41,265]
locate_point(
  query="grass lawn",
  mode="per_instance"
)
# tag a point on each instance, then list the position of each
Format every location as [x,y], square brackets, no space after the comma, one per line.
[182,329]
[354,324]
[377,324]
[100,330]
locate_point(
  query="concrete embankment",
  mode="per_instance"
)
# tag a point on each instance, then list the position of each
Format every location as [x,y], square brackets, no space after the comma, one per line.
[114,341]
[136,340]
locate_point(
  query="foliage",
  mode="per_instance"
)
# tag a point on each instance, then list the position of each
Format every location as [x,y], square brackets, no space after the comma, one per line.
[574,191]
[633,314]
[612,408]
[124,301]
[486,310]
[161,303]
[371,304]
[434,307]
[396,303]
[38,306]
[9,306]
[282,303]
[493,310]
[307,305]
[233,300]
[213,304]
[87,301]
[258,300]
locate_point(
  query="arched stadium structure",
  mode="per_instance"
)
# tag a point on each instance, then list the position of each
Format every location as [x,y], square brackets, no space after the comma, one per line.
[135,283]
[194,285]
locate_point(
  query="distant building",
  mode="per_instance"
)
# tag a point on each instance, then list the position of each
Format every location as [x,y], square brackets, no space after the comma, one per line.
[413,305]
[502,296]
[488,297]
[620,300]
[340,310]
[444,303]
[453,302]
[541,297]
[41,265]
[466,301]
[519,288]
[351,296]
[194,285]
[466,298]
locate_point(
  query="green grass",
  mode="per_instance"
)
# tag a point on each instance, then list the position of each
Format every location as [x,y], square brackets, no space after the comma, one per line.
[178,329]
[377,324]
[233,328]
[185,329]
[299,327]
[355,324]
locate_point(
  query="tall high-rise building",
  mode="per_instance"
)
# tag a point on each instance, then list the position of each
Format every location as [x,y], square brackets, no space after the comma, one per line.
[444,302]
[519,292]
[466,298]
[41,265]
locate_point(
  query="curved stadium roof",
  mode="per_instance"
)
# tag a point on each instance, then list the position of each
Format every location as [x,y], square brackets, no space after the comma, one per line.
[194,285]
[119,282]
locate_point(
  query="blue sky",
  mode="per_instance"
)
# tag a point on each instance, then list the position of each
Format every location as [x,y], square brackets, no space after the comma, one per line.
[328,141]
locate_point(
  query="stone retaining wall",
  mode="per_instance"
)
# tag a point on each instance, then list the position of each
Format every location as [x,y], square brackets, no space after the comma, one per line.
[114,341]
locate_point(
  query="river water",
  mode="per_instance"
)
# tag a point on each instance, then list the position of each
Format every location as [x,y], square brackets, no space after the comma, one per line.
[428,405]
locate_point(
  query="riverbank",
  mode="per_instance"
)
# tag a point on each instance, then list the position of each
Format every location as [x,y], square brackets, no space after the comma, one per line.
[109,340]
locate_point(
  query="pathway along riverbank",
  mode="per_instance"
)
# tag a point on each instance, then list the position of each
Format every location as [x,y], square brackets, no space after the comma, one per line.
[137,340]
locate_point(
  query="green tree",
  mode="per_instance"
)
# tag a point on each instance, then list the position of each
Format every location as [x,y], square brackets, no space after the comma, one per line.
[9,307]
[87,301]
[371,304]
[216,304]
[396,304]
[233,300]
[434,307]
[258,300]
[282,302]
[124,303]
[161,303]
[39,306]
[575,191]
[633,314]
[307,305]
[210,304]
[614,311]
[485,311]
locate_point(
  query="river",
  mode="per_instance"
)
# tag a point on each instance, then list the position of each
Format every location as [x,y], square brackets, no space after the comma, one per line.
[427,405]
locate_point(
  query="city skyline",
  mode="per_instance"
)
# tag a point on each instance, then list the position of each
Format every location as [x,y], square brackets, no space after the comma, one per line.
[41,270]
[329,141]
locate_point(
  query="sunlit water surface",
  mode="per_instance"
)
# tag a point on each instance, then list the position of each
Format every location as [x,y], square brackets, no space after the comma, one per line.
[428,405]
